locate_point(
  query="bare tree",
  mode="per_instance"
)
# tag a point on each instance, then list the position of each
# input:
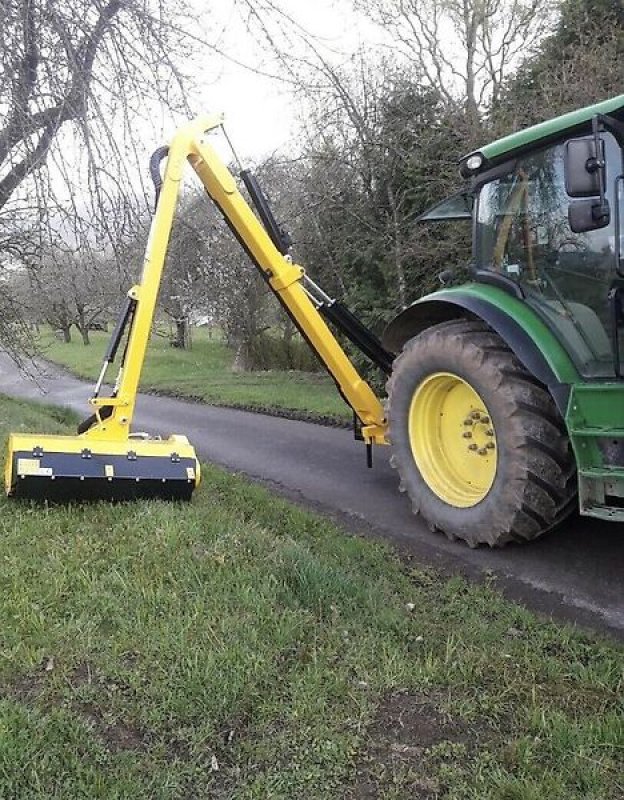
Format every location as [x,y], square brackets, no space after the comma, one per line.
[68,288]
[73,76]
[463,48]
[235,295]
[15,323]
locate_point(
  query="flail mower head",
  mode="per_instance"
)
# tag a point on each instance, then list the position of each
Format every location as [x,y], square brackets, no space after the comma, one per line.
[63,468]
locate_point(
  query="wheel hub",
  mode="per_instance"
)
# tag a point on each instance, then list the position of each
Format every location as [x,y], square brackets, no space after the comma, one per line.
[453,440]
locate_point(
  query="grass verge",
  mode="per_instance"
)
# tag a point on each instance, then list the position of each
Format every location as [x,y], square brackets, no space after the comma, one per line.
[240,647]
[205,373]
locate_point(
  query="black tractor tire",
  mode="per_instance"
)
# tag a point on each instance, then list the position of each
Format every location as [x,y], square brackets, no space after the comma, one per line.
[534,484]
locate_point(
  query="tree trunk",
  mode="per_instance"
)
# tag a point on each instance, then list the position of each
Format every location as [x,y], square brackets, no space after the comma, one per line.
[241,361]
[289,330]
[287,338]
[181,337]
[66,334]
[82,325]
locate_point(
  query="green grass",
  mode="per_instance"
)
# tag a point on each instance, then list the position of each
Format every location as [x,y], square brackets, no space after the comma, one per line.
[240,647]
[205,373]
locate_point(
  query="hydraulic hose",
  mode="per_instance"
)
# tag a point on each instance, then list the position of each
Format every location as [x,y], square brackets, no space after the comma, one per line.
[154,167]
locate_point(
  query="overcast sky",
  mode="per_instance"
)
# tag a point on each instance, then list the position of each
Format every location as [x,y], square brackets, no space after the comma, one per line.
[260,115]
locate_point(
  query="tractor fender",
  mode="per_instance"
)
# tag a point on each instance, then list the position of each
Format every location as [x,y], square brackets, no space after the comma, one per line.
[516,323]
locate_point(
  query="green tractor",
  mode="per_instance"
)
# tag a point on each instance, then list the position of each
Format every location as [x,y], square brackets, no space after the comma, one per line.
[506,398]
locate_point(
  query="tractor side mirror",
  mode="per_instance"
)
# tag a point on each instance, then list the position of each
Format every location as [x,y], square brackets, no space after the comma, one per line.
[589,215]
[584,170]
[585,177]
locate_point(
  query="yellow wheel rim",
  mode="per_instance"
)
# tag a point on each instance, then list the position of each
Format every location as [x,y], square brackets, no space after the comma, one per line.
[453,439]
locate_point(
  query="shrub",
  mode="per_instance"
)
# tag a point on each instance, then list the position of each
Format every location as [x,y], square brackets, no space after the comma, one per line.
[268,352]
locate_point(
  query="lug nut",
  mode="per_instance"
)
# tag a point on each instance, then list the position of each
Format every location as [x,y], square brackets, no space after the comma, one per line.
[476,415]
[468,421]
[485,420]
[490,445]
[473,446]
[467,435]
[489,432]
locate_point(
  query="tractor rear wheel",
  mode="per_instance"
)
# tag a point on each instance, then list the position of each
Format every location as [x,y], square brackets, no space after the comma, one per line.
[478,442]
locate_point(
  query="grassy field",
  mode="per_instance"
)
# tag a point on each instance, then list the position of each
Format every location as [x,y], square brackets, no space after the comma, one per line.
[239,647]
[205,373]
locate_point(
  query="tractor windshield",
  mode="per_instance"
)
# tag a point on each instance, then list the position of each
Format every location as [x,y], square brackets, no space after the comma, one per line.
[523,232]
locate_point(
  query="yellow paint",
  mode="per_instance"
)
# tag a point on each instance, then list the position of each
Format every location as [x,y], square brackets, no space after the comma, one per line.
[453,439]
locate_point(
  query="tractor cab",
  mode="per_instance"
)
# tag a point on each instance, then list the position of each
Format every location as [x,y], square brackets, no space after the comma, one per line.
[547,220]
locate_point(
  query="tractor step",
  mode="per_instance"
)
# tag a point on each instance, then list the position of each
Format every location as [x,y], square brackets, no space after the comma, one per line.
[601,493]
[598,445]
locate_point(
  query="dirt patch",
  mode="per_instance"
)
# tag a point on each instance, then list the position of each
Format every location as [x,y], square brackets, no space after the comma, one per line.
[400,749]
[25,689]
[83,675]
[115,735]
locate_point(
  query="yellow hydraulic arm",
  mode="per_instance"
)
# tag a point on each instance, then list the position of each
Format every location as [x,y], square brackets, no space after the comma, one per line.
[190,145]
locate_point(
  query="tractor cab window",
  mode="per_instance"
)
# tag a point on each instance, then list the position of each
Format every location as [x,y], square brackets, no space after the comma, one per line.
[458,206]
[524,232]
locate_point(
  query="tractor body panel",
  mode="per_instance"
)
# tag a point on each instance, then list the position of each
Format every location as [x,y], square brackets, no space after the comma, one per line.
[527,139]
[516,323]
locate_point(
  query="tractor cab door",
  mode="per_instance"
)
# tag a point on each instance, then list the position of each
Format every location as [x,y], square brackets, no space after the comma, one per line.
[540,226]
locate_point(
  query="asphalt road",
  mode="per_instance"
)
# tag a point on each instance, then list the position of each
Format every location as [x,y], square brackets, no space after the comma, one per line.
[576,572]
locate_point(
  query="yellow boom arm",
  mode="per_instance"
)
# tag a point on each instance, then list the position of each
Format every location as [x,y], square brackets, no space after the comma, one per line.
[285,279]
